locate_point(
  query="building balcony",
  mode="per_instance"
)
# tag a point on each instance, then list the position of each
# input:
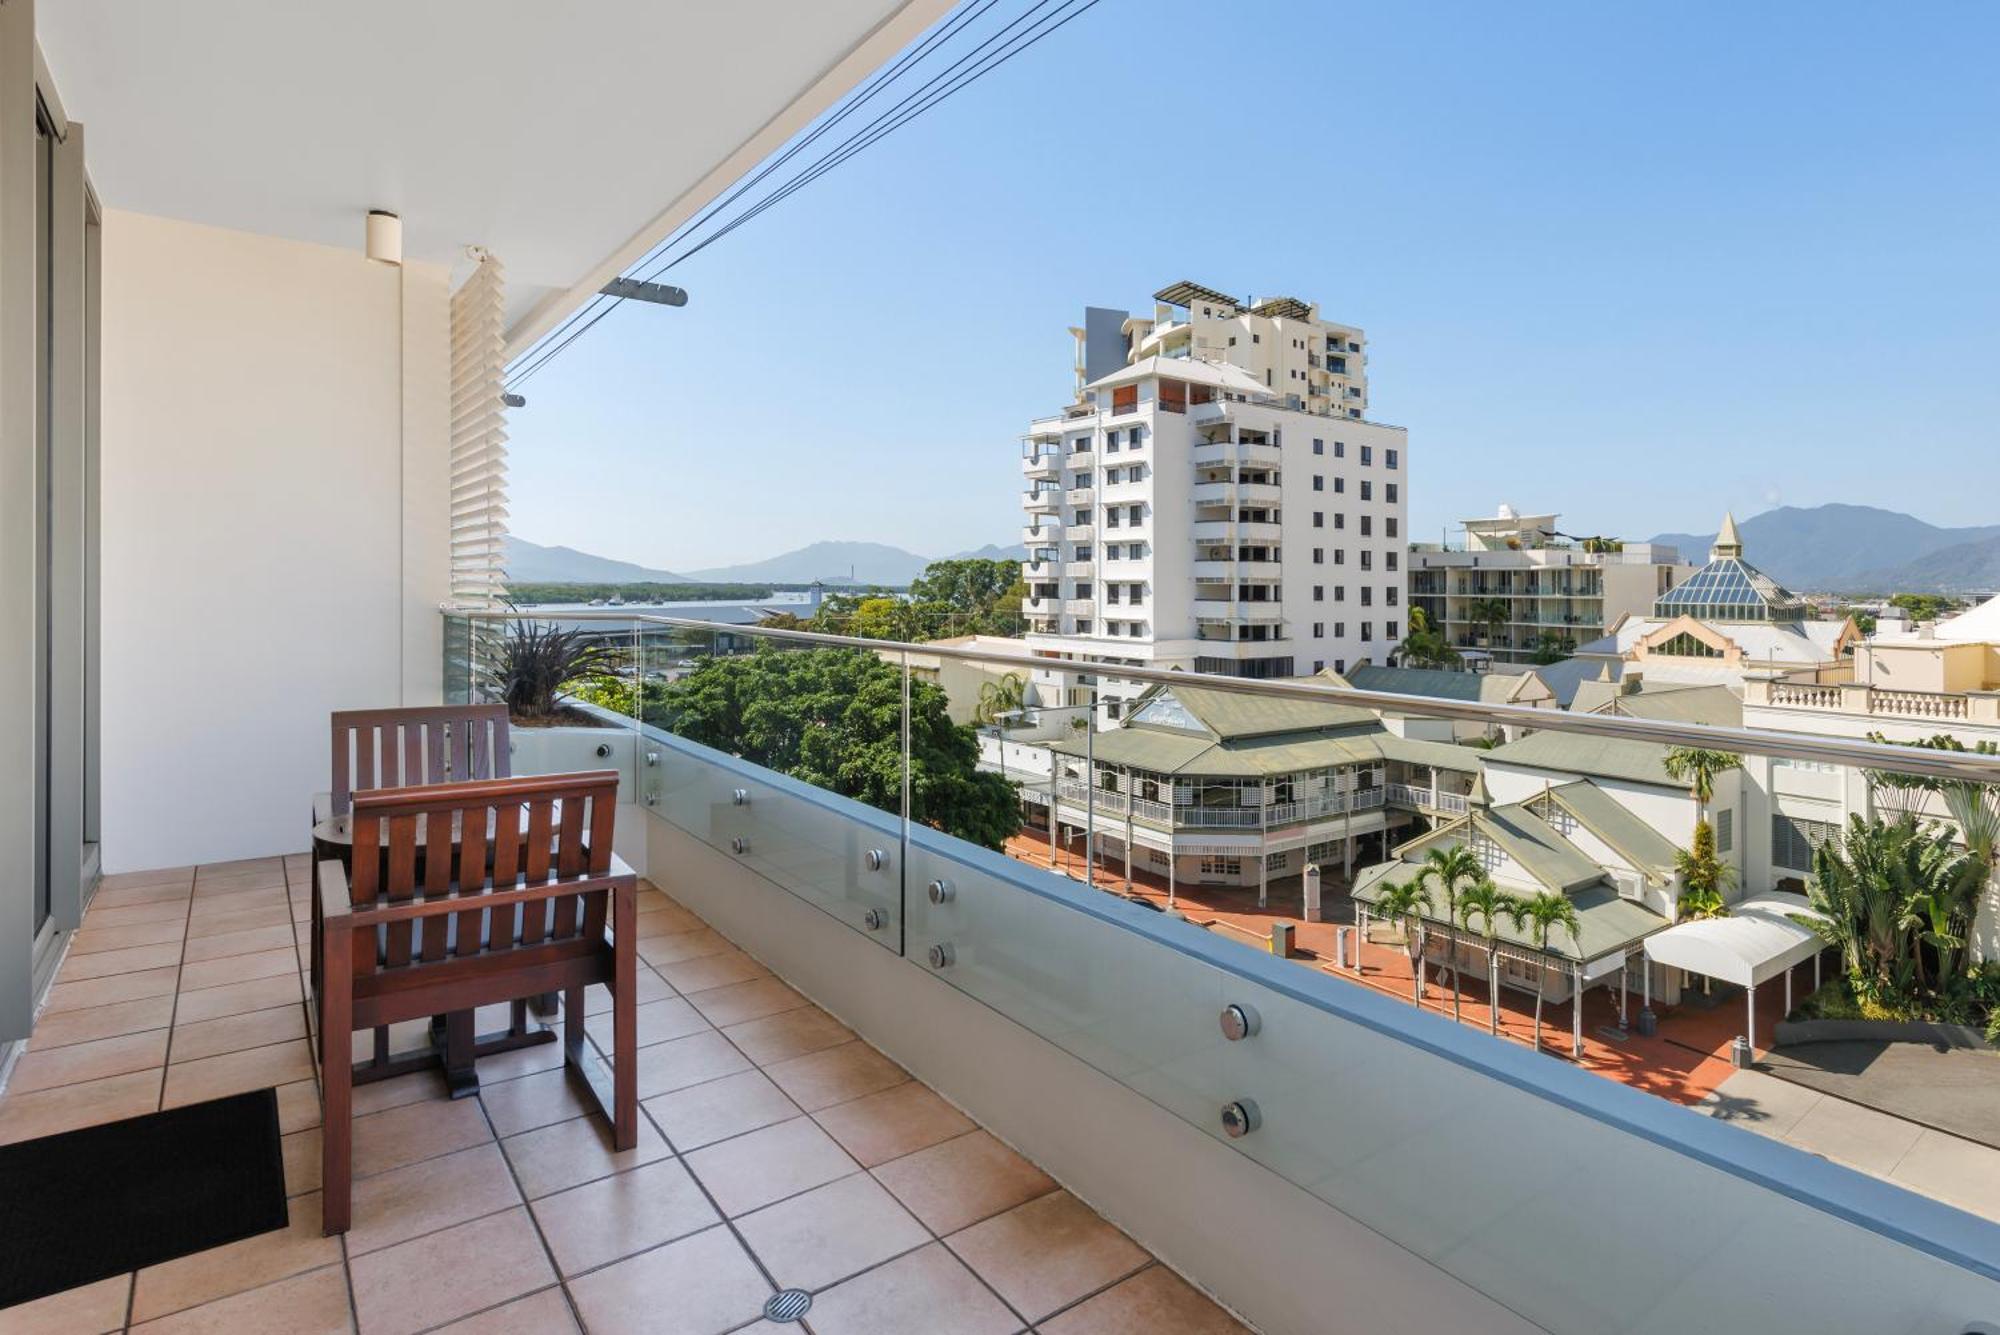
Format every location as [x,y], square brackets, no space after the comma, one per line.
[1077,533]
[1229,453]
[1246,610]
[1041,502]
[1079,569]
[1862,699]
[1040,535]
[1080,607]
[1047,465]
[1079,496]
[1080,459]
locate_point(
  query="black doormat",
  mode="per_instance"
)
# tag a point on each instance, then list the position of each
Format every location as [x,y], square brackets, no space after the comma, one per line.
[84,1205]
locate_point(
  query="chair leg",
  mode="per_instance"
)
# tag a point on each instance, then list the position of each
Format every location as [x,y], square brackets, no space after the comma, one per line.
[336,1069]
[625,1019]
[572,1032]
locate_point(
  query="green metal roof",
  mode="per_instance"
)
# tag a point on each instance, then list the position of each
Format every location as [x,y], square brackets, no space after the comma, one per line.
[1597,757]
[1441,755]
[1714,705]
[1438,683]
[1603,815]
[1153,749]
[1605,922]
[1230,715]
[1538,846]
[1166,752]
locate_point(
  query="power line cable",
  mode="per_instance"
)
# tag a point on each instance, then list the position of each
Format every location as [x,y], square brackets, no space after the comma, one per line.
[868,135]
[881,79]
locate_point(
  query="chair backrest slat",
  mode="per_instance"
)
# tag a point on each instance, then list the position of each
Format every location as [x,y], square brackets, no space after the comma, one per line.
[405,747]
[538,830]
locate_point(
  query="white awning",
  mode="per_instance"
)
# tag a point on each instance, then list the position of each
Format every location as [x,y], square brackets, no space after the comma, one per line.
[1758,940]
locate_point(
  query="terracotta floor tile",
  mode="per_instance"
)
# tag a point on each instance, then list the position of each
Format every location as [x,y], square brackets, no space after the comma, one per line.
[309,1304]
[91,1309]
[746,1001]
[415,1132]
[574,1152]
[504,1066]
[442,1276]
[67,1107]
[131,959]
[238,968]
[416,1087]
[73,1062]
[239,920]
[544,1313]
[536,1100]
[962,1181]
[681,1062]
[219,1272]
[234,1072]
[660,916]
[830,1232]
[83,1026]
[395,1206]
[302,1161]
[924,1293]
[697,1286]
[835,1075]
[125,880]
[788,1034]
[620,1215]
[256,995]
[770,1164]
[247,942]
[109,991]
[897,1121]
[1155,1301]
[658,1021]
[91,939]
[404,1036]
[717,1109]
[673,947]
[697,975]
[298,1106]
[234,1033]
[1048,1253]
[650,987]
[124,915]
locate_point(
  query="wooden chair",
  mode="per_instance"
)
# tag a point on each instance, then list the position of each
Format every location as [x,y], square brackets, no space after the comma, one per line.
[518,894]
[402,747]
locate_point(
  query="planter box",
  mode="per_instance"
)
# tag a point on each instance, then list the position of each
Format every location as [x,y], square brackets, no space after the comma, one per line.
[568,750]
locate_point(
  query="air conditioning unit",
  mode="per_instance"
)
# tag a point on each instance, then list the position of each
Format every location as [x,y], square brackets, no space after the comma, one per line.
[1631,885]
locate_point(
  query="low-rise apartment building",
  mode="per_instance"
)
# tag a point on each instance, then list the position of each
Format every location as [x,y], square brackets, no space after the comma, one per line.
[1517,588]
[1213,501]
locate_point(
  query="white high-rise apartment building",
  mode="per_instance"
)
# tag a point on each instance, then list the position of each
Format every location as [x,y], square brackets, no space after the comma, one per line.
[1213,500]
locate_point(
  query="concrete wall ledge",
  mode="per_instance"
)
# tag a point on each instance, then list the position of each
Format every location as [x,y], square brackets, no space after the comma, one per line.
[1795,1033]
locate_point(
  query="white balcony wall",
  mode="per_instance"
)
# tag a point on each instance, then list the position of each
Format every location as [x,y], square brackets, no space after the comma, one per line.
[275,493]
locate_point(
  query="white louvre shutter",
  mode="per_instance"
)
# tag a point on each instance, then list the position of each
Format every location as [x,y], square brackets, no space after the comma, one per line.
[479,437]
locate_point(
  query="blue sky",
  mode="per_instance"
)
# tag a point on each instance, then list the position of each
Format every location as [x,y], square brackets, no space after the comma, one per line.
[1635,263]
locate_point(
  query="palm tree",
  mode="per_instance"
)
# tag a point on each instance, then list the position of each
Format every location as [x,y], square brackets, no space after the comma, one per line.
[1540,916]
[1889,887]
[999,696]
[1405,906]
[1704,878]
[1489,903]
[1492,613]
[1697,767]
[1450,868]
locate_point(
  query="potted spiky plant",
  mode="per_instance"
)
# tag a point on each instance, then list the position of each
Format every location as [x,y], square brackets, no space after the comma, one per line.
[546,673]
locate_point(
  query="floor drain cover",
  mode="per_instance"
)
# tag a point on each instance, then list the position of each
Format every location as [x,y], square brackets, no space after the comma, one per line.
[789,1305]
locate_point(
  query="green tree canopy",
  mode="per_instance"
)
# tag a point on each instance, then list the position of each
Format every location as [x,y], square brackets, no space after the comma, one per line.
[833,718]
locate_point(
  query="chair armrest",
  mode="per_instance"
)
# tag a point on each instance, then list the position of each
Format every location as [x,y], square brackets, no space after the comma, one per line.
[331,887]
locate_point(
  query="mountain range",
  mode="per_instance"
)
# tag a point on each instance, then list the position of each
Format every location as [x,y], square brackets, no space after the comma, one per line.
[1859,549]
[827,562]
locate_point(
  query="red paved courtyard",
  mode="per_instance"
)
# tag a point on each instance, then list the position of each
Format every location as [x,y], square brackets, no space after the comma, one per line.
[1684,1061]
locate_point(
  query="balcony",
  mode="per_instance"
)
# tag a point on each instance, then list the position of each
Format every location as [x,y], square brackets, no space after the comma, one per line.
[1044,466]
[1085,458]
[1080,607]
[1040,535]
[1079,569]
[1865,700]
[1042,501]
[1079,533]
[1217,609]
[1079,496]
[1225,453]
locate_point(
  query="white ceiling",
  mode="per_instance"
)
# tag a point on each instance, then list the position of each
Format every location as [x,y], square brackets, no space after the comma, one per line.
[564,137]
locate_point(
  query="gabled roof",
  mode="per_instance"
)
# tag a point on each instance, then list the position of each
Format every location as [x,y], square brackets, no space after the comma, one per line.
[1597,757]
[1192,730]
[1604,816]
[1605,921]
[1715,705]
[1729,588]
[1439,755]
[1444,684]
[1231,715]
